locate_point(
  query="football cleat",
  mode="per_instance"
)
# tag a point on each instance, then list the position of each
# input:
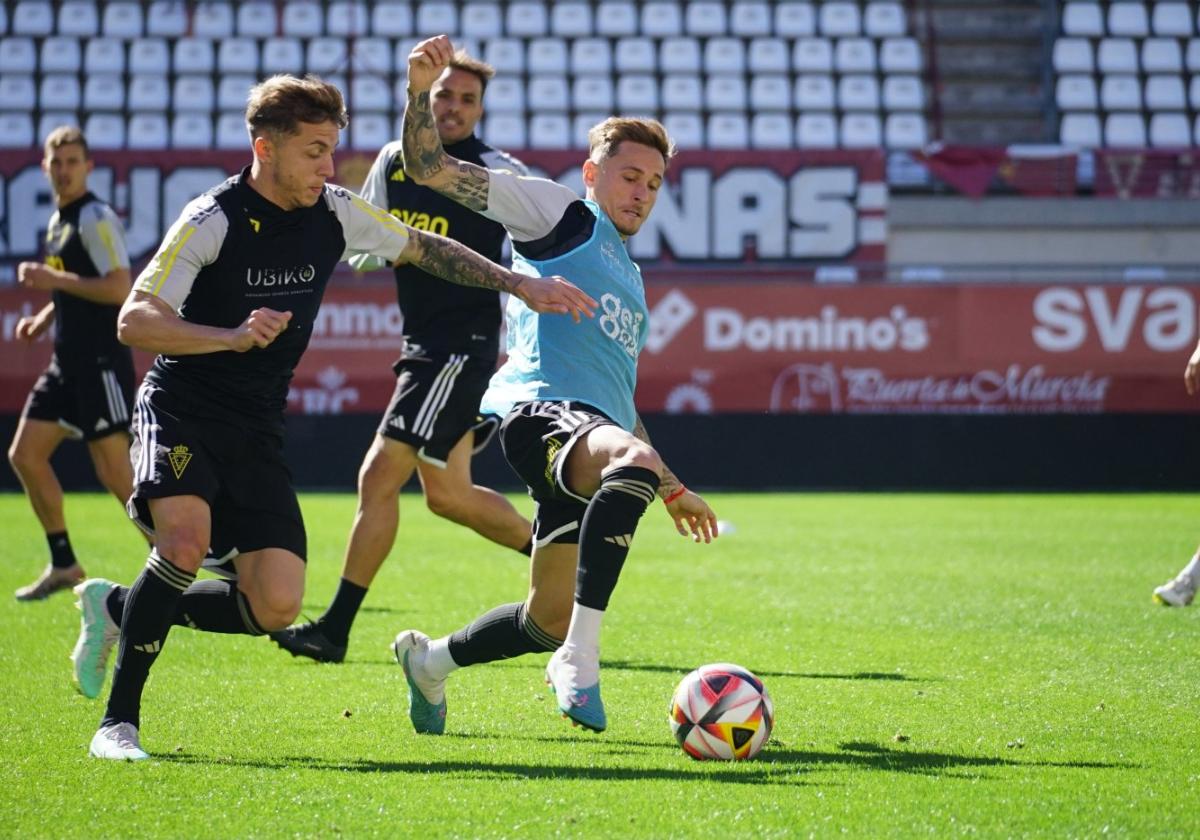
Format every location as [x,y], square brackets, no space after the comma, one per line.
[429,718]
[118,742]
[309,640]
[1176,593]
[97,635]
[52,580]
[582,705]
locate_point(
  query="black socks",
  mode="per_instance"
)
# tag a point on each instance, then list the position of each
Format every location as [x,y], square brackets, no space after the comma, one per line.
[503,633]
[339,617]
[61,555]
[607,531]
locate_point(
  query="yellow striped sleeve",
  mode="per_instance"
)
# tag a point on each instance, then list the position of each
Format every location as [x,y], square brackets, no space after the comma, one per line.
[165,261]
[105,230]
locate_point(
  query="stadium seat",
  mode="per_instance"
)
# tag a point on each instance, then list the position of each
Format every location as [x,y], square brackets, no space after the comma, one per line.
[1073,55]
[392,20]
[1172,20]
[193,93]
[1075,93]
[679,55]
[347,19]
[861,131]
[1125,131]
[900,55]
[50,120]
[795,20]
[1117,55]
[232,92]
[854,55]
[724,55]
[812,55]
[771,131]
[816,131]
[212,20]
[903,93]
[1194,93]
[687,130]
[148,92]
[768,55]
[33,19]
[1170,130]
[1080,130]
[505,131]
[661,20]
[507,55]
[884,20]
[636,55]
[59,92]
[301,19]
[104,92]
[17,93]
[1161,55]
[481,20]
[104,55]
[839,19]
[616,18]
[682,93]
[255,19]
[546,93]
[78,18]
[728,131]
[904,131]
[581,124]
[858,93]
[705,19]
[191,131]
[371,55]
[637,93]
[147,131]
[549,131]
[725,93]
[751,20]
[166,19]
[370,131]
[231,130]
[571,20]
[280,55]
[1120,93]
[814,93]
[505,94]
[1128,19]
[326,55]
[546,55]
[149,55]
[369,93]
[591,93]
[526,19]
[60,55]
[16,131]
[1083,20]
[591,55]
[1165,93]
[195,55]
[17,55]
[771,93]
[1192,56]
[105,131]
[239,55]
[123,20]
[436,19]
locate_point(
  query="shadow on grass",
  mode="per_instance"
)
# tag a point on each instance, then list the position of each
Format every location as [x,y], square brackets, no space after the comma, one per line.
[622,665]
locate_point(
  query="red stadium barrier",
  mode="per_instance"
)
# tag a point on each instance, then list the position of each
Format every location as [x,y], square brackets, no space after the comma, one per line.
[1148,173]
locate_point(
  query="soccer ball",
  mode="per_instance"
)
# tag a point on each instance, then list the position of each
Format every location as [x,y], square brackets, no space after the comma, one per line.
[722,712]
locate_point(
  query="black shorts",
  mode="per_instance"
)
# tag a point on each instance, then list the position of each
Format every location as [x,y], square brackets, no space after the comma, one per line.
[89,401]
[240,473]
[536,437]
[436,402]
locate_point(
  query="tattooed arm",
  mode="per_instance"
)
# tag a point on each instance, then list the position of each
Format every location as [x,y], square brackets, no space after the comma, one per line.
[690,512]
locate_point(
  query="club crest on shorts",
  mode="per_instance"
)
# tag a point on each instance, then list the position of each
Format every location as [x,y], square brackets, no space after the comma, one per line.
[179,458]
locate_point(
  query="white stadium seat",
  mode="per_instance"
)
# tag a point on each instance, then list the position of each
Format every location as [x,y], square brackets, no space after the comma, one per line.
[105,131]
[104,92]
[1161,55]
[704,18]
[728,131]
[549,131]
[166,19]
[256,19]
[148,92]
[724,55]
[591,93]
[369,93]
[682,93]
[903,93]
[281,55]
[17,93]
[814,93]
[50,120]
[505,131]
[239,55]
[1080,130]
[526,19]
[481,20]
[193,93]
[1073,55]
[635,55]
[751,20]
[884,20]
[78,18]
[1192,56]
[123,20]
[60,55]
[795,20]
[591,55]
[679,55]
[371,55]
[392,20]
[212,20]
[571,20]
[816,131]
[231,131]
[507,55]
[195,55]
[505,94]
[1120,93]
[1117,55]
[768,55]
[616,18]
[17,55]
[1194,92]
[301,19]
[581,124]
[812,55]
[858,93]
[1075,93]
[1125,131]
[686,129]
[16,131]
[1128,19]
[838,19]
[326,55]
[149,55]
[547,93]
[900,55]
[370,131]
[147,131]
[854,55]
[1084,20]
[546,55]
[435,19]
[348,19]
[1165,93]
[104,55]
[771,93]
[905,131]
[1170,130]
[861,131]
[1173,20]
[33,19]
[232,93]
[637,93]
[771,131]
[661,20]
[59,92]
[725,93]
[191,131]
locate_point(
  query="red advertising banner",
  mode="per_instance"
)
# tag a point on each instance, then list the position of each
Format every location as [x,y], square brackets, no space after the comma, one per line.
[1148,173]
[746,345]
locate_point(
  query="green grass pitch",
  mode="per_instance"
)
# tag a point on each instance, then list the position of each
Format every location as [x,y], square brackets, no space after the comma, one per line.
[940,665]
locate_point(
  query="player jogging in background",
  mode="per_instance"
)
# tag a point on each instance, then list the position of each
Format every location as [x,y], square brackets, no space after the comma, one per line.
[228,304]
[452,335]
[87,390]
[1180,591]
[570,428]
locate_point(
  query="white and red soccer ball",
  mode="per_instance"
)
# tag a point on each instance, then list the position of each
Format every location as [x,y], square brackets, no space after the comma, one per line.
[722,712]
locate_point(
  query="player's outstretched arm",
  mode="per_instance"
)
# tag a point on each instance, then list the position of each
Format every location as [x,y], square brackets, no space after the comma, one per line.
[1191,374]
[149,323]
[457,263]
[691,513]
[111,288]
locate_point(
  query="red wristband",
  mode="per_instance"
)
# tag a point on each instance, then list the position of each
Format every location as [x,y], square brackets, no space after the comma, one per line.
[675,495]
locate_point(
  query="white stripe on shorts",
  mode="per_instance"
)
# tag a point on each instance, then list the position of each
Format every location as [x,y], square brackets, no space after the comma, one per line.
[439,395]
[146,433]
[116,402]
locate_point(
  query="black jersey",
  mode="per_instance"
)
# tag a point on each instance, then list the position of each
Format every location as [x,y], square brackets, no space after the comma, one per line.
[85,237]
[440,315]
[233,251]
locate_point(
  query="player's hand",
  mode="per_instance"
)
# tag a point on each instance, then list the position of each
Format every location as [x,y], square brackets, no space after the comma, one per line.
[29,328]
[38,276]
[261,327]
[554,295]
[693,516]
[1191,375]
[427,61]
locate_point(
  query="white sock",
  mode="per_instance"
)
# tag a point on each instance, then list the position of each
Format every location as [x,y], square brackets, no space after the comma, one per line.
[1193,567]
[584,633]
[439,664]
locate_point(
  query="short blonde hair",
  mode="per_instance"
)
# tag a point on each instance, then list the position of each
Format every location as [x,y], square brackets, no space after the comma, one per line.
[604,138]
[66,135]
[278,105]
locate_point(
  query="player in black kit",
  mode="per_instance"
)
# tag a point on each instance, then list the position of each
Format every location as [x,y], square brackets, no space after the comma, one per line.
[228,303]
[432,425]
[87,390]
